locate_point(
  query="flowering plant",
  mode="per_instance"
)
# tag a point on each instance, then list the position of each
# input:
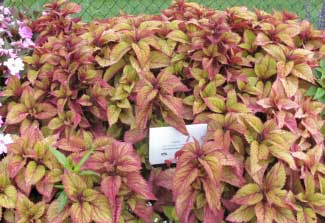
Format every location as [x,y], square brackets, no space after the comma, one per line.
[15,42]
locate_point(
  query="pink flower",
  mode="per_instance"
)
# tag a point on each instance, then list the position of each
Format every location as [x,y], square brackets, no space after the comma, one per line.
[27,43]
[25,32]
[6,11]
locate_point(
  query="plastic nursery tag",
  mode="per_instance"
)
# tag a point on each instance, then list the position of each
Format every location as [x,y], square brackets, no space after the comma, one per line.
[164,142]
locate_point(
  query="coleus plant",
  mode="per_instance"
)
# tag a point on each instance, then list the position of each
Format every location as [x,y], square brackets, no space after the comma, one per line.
[197,185]
[158,94]
[318,92]
[92,89]
[121,181]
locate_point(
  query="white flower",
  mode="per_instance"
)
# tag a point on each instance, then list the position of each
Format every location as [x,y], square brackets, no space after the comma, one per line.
[14,65]
[4,140]
[1,42]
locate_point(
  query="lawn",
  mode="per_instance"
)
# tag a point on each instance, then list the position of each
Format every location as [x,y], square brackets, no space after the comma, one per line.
[108,8]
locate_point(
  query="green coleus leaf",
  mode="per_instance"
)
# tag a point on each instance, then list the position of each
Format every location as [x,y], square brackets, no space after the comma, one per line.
[88,139]
[55,123]
[304,72]
[159,60]
[16,114]
[73,184]
[309,185]
[119,51]
[277,197]
[210,90]
[81,212]
[54,214]
[265,67]
[101,211]
[142,51]
[215,104]
[283,155]
[248,195]
[306,215]
[28,211]
[8,197]
[178,36]
[170,213]
[283,215]
[34,173]
[242,214]
[249,38]
[113,112]
[32,75]
[255,123]
[112,70]
[275,51]
[321,183]
[276,177]
[264,213]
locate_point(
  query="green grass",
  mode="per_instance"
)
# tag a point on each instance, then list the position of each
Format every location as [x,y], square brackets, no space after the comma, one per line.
[108,8]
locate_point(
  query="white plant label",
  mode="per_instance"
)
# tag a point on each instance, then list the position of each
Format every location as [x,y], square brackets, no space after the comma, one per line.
[164,142]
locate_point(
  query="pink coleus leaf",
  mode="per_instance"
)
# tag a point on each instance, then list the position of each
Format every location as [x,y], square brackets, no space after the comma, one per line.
[136,183]
[175,121]
[173,104]
[110,186]
[212,194]
[16,114]
[184,206]
[264,214]
[135,135]
[144,211]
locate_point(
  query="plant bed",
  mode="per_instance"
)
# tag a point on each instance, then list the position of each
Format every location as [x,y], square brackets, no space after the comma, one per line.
[79,118]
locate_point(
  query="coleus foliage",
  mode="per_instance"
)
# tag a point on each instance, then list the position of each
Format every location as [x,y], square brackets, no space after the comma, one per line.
[318,92]
[92,89]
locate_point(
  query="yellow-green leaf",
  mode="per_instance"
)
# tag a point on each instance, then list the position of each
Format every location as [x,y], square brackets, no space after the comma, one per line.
[276,177]
[215,104]
[275,51]
[118,51]
[304,72]
[178,36]
[34,173]
[242,214]
[113,113]
[248,195]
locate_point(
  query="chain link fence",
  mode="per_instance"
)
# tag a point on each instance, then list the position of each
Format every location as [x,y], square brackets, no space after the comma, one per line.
[312,10]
